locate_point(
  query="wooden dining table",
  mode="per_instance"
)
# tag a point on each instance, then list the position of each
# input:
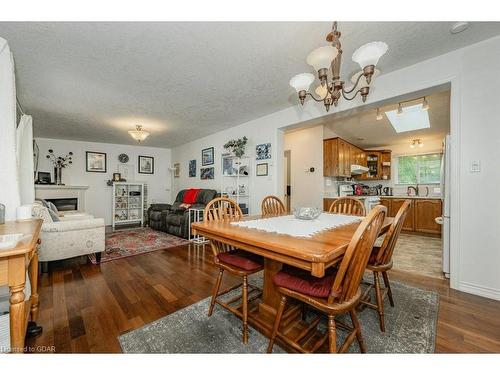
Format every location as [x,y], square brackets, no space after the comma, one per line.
[314,254]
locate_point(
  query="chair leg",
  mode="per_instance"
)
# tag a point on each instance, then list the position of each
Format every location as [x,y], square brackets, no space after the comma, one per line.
[357,327]
[245,309]
[380,302]
[332,335]
[388,286]
[277,322]
[216,291]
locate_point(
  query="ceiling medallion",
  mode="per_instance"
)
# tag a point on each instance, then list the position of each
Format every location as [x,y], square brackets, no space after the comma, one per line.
[138,134]
[326,61]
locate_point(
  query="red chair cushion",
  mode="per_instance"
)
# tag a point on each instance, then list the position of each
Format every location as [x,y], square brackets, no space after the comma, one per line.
[241,259]
[303,282]
[373,255]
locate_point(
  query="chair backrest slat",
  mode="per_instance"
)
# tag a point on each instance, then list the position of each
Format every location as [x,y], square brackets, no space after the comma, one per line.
[355,260]
[221,209]
[272,205]
[384,255]
[347,206]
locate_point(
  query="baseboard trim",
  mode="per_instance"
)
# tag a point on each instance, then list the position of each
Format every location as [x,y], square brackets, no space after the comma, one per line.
[480,290]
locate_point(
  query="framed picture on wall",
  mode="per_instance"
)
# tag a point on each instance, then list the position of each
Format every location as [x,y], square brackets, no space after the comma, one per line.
[207,156]
[207,173]
[192,168]
[177,169]
[263,151]
[262,169]
[146,164]
[96,161]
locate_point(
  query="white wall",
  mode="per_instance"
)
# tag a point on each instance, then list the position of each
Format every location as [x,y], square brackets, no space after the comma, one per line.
[475,258]
[98,196]
[306,151]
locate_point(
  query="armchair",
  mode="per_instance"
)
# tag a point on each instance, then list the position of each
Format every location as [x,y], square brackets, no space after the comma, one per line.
[68,238]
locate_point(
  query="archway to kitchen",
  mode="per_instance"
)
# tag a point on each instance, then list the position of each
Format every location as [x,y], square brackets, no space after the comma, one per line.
[381,161]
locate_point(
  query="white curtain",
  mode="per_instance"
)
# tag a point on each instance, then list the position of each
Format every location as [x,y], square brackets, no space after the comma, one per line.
[24,144]
[9,184]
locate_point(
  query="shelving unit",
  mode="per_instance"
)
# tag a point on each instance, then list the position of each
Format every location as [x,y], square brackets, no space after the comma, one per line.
[128,203]
[236,180]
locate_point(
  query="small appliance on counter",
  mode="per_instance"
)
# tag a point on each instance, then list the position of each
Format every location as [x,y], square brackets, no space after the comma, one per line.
[345,190]
[387,191]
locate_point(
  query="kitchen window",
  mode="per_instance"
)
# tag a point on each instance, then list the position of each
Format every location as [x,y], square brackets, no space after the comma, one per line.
[419,169]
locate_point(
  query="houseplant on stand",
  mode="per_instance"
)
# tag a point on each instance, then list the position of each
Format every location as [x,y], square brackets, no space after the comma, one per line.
[59,163]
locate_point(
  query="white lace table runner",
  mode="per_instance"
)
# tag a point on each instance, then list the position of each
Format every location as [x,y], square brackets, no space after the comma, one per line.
[299,228]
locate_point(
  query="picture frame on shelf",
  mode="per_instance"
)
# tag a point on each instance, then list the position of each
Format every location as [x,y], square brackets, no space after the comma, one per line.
[207,173]
[207,156]
[262,169]
[177,169]
[146,164]
[263,151]
[192,168]
[96,162]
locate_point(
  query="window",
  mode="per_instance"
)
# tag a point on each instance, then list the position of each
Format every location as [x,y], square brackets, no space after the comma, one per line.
[419,169]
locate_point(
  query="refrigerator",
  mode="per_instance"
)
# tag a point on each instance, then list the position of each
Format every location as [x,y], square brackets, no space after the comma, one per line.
[445,197]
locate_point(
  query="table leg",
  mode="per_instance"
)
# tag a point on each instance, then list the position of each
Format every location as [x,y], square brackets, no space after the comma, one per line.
[17,280]
[33,273]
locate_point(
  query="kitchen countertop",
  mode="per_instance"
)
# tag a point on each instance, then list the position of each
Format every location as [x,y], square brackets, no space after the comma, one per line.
[386,197]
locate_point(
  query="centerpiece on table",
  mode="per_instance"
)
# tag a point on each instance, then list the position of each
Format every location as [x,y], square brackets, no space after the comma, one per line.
[59,163]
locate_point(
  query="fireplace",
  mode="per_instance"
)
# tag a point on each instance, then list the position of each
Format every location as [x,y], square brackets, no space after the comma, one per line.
[65,204]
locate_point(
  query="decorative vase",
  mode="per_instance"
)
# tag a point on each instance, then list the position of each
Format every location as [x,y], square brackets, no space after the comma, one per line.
[58,175]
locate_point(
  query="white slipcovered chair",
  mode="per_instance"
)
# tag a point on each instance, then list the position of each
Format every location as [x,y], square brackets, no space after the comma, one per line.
[68,237]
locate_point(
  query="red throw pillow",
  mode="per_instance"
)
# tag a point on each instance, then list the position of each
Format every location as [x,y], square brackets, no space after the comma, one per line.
[190,196]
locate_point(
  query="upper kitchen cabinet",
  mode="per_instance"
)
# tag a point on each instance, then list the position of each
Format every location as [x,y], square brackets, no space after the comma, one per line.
[339,155]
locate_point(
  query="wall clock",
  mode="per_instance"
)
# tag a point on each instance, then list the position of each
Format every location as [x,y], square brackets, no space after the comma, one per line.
[123,158]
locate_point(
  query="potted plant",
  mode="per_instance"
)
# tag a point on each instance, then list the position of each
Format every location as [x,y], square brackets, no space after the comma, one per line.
[59,163]
[236,146]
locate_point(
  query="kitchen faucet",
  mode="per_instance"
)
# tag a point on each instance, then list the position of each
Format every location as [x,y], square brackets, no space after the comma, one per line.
[410,188]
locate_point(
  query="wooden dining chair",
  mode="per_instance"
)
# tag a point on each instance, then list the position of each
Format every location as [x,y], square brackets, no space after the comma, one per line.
[380,262]
[347,206]
[338,292]
[237,262]
[272,205]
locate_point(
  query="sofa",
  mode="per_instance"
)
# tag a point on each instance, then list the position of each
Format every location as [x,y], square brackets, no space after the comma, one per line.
[173,218]
[68,237]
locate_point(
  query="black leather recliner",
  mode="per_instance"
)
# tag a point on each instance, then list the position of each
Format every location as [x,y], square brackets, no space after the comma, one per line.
[173,219]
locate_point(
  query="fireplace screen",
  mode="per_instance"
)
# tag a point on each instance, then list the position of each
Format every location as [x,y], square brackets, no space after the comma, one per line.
[65,204]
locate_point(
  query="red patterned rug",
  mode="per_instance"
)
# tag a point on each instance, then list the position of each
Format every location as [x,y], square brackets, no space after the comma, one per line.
[136,241]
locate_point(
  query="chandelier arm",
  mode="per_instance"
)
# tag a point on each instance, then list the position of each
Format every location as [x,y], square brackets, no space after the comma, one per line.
[312,96]
[346,98]
[354,87]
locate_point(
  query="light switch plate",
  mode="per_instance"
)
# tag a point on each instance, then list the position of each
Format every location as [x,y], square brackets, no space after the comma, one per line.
[475,166]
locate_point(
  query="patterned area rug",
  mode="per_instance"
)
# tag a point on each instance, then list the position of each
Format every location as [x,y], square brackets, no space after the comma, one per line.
[410,328]
[136,241]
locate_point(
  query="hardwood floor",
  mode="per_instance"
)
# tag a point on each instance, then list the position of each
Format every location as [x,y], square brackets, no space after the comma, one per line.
[84,307]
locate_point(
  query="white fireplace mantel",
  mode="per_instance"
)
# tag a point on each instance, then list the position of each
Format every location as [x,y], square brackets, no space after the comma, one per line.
[62,191]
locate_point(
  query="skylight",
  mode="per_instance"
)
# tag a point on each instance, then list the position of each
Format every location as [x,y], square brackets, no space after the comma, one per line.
[412,118]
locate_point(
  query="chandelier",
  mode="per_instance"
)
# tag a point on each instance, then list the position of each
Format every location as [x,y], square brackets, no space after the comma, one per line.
[138,134]
[326,61]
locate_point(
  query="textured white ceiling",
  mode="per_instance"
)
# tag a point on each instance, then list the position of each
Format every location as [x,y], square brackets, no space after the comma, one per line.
[182,81]
[363,129]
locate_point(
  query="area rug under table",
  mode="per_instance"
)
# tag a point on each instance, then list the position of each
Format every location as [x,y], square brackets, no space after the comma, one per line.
[135,241]
[410,328]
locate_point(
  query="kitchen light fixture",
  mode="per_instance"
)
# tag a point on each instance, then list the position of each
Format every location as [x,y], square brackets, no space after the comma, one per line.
[417,143]
[379,115]
[326,61]
[425,104]
[138,134]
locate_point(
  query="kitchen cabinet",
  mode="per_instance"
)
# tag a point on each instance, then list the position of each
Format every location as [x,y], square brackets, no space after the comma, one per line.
[426,210]
[387,203]
[385,161]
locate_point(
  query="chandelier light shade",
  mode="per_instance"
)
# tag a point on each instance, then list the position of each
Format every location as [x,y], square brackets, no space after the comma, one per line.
[369,54]
[138,134]
[322,57]
[362,80]
[326,61]
[301,82]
